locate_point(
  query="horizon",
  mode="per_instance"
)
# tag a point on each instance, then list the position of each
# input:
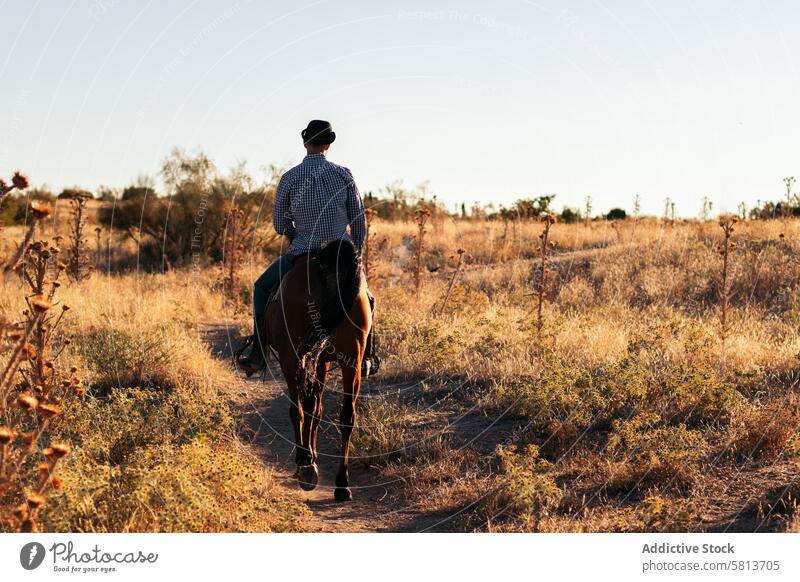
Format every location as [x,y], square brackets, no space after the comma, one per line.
[486,105]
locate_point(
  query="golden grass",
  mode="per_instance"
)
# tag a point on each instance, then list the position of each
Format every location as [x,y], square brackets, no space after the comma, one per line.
[631,335]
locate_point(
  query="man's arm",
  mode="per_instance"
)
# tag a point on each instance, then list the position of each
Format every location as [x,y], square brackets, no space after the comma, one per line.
[282,212]
[355,213]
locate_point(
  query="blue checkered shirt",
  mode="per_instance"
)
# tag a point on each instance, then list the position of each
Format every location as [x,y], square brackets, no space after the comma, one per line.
[315,202]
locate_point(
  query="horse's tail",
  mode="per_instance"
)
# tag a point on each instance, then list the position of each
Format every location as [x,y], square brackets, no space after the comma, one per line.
[340,284]
[340,267]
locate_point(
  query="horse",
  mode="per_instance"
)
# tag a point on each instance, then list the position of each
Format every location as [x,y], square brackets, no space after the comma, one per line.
[321,315]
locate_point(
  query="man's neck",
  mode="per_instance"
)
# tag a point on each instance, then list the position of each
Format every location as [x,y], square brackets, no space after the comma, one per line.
[314,152]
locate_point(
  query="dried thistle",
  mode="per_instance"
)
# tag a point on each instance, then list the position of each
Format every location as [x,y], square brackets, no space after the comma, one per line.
[32,389]
[39,211]
[540,274]
[232,254]
[79,264]
[726,223]
[421,216]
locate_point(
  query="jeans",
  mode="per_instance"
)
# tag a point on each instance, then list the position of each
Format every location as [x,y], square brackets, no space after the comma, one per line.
[268,280]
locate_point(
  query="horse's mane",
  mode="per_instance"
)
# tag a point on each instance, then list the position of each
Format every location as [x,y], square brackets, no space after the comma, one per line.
[340,284]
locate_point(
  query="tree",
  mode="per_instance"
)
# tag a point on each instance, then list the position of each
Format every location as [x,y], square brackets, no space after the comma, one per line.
[189,221]
[617,214]
[568,215]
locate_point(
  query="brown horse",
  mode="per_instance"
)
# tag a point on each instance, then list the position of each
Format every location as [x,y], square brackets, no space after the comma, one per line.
[321,315]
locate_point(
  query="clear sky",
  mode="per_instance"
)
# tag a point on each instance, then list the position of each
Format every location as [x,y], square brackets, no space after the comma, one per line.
[490,101]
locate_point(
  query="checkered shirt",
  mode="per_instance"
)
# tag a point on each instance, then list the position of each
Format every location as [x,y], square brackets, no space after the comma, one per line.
[315,202]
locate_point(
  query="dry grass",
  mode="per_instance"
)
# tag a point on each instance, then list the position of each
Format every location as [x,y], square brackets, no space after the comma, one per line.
[638,377]
[635,409]
[154,442]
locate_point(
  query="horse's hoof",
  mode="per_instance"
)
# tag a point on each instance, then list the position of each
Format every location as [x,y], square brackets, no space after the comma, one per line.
[342,494]
[308,476]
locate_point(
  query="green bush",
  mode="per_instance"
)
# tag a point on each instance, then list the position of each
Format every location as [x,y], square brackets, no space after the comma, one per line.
[523,490]
[651,451]
[574,396]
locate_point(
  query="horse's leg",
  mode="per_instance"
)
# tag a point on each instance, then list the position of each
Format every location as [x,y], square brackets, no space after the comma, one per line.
[289,369]
[351,383]
[319,388]
[307,471]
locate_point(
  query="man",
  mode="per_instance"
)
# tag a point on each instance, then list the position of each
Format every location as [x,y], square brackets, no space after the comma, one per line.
[314,203]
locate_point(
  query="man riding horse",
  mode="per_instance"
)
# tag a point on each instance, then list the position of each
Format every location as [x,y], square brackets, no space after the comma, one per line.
[322,312]
[315,202]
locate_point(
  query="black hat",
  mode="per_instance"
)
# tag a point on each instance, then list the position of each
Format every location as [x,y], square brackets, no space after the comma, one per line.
[318,132]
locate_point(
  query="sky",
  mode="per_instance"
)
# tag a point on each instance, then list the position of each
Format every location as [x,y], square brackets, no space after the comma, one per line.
[486,102]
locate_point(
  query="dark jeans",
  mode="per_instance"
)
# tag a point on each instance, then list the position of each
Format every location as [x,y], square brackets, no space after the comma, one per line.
[268,280]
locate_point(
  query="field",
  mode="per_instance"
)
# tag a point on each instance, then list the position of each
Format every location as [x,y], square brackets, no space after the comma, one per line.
[658,391]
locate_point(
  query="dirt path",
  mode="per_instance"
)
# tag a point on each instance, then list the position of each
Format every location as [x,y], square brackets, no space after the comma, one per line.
[264,409]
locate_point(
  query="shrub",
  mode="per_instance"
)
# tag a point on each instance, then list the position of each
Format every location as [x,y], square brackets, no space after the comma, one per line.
[662,514]
[523,490]
[651,451]
[697,395]
[118,358]
[573,396]
[153,461]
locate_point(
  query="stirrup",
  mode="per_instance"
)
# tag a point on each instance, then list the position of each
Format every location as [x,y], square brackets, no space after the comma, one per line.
[237,355]
[255,362]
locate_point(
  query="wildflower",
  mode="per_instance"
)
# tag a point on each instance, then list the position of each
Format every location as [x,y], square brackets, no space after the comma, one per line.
[27,401]
[21,511]
[19,181]
[6,435]
[16,334]
[60,450]
[30,351]
[40,304]
[49,410]
[35,500]
[40,209]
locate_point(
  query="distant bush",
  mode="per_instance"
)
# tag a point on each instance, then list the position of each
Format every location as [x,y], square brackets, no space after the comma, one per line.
[189,221]
[617,214]
[569,216]
[69,193]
